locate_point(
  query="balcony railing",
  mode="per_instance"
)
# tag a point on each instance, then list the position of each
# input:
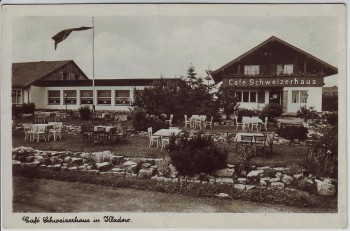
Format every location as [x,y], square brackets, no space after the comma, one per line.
[275,74]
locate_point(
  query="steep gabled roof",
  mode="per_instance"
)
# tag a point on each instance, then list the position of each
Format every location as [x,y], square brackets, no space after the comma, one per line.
[25,74]
[217,77]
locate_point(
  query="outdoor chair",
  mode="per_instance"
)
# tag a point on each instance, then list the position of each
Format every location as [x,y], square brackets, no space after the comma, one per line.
[255,125]
[246,140]
[39,133]
[187,121]
[27,131]
[56,131]
[87,132]
[269,139]
[170,120]
[264,125]
[152,138]
[260,143]
[165,140]
[123,133]
[102,136]
[210,123]
[238,124]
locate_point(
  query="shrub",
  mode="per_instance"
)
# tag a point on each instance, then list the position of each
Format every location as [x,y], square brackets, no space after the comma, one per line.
[197,155]
[245,153]
[307,113]
[322,158]
[141,121]
[245,112]
[332,119]
[163,166]
[85,112]
[25,108]
[28,108]
[293,132]
[272,111]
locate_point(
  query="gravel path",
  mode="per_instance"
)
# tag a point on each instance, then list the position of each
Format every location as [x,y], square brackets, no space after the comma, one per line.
[35,195]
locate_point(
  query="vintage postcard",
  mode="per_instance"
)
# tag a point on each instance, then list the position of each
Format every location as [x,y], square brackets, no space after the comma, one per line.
[173,116]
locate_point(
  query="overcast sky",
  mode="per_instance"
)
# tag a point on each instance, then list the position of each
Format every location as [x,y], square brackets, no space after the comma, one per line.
[151,46]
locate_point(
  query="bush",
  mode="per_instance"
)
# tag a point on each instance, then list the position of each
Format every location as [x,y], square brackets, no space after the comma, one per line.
[197,155]
[293,132]
[245,153]
[163,166]
[272,111]
[25,108]
[307,113]
[28,108]
[141,121]
[85,112]
[245,112]
[322,158]
[332,119]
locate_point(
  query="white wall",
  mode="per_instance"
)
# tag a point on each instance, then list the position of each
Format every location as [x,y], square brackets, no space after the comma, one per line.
[36,96]
[314,98]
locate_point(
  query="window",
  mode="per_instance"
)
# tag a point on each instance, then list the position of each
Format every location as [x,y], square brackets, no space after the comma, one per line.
[299,96]
[71,76]
[70,96]
[285,69]
[251,69]
[253,97]
[16,95]
[261,97]
[246,96]
[60,76]
[122,97]
[54,97]
[104,97]
[86,97]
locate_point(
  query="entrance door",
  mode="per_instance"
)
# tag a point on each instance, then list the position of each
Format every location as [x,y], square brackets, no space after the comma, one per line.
[275,97]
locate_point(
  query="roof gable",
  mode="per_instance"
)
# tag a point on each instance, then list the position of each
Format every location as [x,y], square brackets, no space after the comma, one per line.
[25,74]
[331,70]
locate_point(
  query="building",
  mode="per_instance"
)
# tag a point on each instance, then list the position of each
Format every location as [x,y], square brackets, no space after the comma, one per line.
[57,85]
[276,72]
[330,98]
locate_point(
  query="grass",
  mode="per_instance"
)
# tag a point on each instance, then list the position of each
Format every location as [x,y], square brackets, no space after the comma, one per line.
[137,146]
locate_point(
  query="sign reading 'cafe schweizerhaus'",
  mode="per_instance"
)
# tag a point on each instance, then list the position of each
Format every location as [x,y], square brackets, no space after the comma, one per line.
[283,81]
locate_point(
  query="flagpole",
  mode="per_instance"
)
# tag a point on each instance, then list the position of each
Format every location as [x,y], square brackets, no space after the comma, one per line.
[93,64]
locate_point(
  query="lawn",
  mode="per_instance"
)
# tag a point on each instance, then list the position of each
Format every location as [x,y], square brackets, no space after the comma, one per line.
[137,146]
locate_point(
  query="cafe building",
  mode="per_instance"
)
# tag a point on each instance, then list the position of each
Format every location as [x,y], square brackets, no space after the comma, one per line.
[276,72]
[60,85]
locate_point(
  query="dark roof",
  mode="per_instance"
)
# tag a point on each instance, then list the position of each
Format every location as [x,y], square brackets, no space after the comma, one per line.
[217,77]
[103,82]
[25,74]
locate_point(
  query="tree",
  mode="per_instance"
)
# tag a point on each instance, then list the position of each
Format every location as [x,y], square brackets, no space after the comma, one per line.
[184,96]
[227,100]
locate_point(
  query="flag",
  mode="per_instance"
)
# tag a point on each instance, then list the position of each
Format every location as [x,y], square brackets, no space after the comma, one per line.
[60,36]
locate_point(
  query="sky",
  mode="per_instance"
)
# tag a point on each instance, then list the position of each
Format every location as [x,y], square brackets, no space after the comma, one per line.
[150,46]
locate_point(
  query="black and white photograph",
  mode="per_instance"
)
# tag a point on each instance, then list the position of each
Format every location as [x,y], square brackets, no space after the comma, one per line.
[173,116]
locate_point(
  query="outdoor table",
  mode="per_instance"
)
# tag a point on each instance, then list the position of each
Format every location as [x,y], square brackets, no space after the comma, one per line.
[107,128]
[238,137]
[35,127]
[167,132]
[251,120]
[281,122]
